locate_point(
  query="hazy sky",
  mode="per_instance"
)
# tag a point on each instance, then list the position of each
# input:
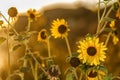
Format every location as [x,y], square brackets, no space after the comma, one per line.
[24,5]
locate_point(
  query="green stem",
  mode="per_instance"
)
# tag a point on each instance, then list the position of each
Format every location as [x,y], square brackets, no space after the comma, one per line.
[9,23]
[30,61]
[36,71]
[48,43]
[80,78]
[68,46]
[99,22]
[25,42]
[108,37]
[98,11]
[35,59]
[104,25]
[8,51]
[28,27]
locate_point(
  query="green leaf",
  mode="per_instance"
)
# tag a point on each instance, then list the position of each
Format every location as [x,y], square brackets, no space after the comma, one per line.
[69,76]
[24,69]
[109,77]
[16,47]
[108,29]
[2,39]
[102,68]
[116,5]
[108,19]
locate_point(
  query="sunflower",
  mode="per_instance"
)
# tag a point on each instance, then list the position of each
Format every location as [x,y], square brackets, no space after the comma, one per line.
[95,75]
[91,51]
[12,12]
[53,72]
[32,15]
[42,35]
[59,28]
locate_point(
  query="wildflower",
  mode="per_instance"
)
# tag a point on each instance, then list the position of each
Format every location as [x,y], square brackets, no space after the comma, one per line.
[12,12]
[53,72]
[114,34]
[115,39]
[42,35]
[59,28]
[91,51]
[74,61]
[1,22]
[112,24]
[95,75]
[32,15]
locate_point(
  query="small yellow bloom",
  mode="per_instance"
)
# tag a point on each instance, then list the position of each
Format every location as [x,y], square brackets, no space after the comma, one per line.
[32,15]
[59,28]
[115,39]
[91,51]
[42,35]
[112,24]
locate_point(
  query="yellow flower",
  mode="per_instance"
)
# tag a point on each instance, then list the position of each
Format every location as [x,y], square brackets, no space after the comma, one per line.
[91,51]
[12,12]
[1,22]
[59,28]
[32,15]
[115,39]
[112,24]
[42,35]
[95,75]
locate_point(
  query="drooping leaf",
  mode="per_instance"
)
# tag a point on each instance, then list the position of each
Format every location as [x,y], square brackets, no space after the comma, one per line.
[108,29]
[24,69]
[69,76]
[16,47]
[2,39]
[108,19]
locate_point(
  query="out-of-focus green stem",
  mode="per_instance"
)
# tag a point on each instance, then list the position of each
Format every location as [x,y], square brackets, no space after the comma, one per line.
[68,46]
[104,25]
[9,23]
[8,47]
[108,37]
[48,43]
[28,27]
[36,71]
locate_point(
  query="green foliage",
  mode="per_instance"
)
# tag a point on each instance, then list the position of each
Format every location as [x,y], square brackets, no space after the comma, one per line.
[116,5]
[2,39]
[108,19]
[109,77]
[16,47]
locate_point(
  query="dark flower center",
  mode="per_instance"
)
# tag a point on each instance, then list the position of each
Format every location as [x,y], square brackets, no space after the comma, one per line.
[32,16]
[74,62]
[43,35]
[12,12]
[92,74]
[62,29]
[53,71]
[91,51]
